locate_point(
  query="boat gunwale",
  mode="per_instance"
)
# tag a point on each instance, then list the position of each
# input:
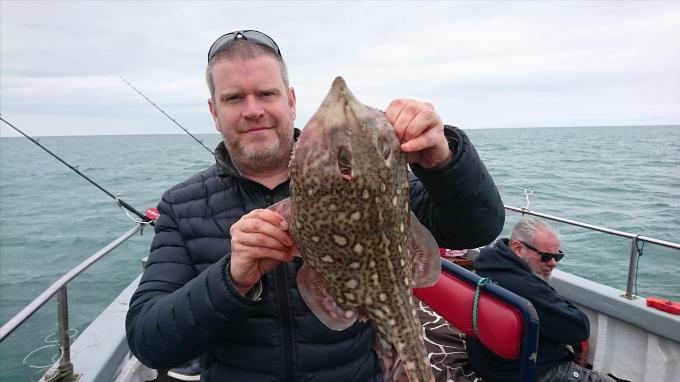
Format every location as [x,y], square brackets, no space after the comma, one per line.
[601,298]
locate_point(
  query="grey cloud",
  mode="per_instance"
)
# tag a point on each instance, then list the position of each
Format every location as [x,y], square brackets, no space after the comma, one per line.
[483,64]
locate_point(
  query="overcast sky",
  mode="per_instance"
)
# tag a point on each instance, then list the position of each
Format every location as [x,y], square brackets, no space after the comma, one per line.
[482,64]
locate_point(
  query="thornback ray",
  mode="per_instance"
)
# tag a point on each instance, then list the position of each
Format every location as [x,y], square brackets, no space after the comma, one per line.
[349,215]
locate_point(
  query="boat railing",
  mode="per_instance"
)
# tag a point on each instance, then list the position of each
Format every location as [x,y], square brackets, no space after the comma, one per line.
[59,287]
[634,248]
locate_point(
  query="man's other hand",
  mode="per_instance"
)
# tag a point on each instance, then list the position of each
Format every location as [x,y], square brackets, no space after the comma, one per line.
[420,131]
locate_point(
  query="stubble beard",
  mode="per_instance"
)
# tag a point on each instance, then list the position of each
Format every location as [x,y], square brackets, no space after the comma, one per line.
[263,156]
[536,272]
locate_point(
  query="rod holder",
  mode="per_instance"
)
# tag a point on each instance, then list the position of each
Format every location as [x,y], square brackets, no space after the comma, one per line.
[631,269]
[65,371]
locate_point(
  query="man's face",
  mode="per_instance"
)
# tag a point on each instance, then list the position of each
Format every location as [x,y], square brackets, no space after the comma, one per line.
[253,111]
[544,241]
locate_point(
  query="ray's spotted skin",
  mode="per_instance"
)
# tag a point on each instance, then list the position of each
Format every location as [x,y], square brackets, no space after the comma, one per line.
[349,215]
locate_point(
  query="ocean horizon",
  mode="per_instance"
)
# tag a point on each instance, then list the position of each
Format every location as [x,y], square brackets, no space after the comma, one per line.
[17,135]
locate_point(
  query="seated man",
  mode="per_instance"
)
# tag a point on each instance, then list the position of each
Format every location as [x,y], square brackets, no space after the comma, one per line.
[523,264]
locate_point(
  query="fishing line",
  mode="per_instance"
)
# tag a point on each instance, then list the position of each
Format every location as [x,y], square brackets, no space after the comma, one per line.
[166,114]
[118,200]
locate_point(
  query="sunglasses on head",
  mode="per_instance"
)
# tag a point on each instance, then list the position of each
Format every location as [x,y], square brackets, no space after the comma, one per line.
[545,256]
[248,35]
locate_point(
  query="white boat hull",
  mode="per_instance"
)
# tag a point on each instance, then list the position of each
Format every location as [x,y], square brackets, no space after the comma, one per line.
[627,339]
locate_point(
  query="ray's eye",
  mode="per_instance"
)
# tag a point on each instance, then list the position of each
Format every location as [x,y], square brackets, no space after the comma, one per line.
[345,163]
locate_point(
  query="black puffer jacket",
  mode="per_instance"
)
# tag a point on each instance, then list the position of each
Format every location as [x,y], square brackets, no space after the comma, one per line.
[186,305]
[561,323]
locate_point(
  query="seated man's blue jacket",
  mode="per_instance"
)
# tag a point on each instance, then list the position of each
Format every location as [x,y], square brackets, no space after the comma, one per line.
[186,305]
[560,322]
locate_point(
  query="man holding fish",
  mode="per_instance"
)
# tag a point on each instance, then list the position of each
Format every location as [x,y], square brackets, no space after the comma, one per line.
[317,287]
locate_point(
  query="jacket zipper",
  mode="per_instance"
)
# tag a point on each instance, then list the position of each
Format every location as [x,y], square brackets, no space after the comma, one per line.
[286,321]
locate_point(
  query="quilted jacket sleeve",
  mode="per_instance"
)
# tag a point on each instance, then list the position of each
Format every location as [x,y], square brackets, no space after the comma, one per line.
[177,314]
[459,203]
[559,320]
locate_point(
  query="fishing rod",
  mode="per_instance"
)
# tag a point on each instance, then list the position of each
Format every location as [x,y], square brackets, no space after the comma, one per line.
[144,217]
[166,114]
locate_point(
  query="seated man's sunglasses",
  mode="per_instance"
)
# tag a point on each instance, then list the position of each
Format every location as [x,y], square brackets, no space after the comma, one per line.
[248,35]
[545,256]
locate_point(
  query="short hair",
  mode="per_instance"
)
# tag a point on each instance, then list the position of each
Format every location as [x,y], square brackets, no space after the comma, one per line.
[525,229]
[244,49]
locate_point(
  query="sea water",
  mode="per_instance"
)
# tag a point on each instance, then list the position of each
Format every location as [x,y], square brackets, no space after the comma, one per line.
[624,178]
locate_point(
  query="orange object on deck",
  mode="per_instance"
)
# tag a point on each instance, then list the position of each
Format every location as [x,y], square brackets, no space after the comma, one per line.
[670,306]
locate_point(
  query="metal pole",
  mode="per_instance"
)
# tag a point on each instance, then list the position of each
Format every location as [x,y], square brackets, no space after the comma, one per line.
[664,243]
[631,269]
[65,365]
